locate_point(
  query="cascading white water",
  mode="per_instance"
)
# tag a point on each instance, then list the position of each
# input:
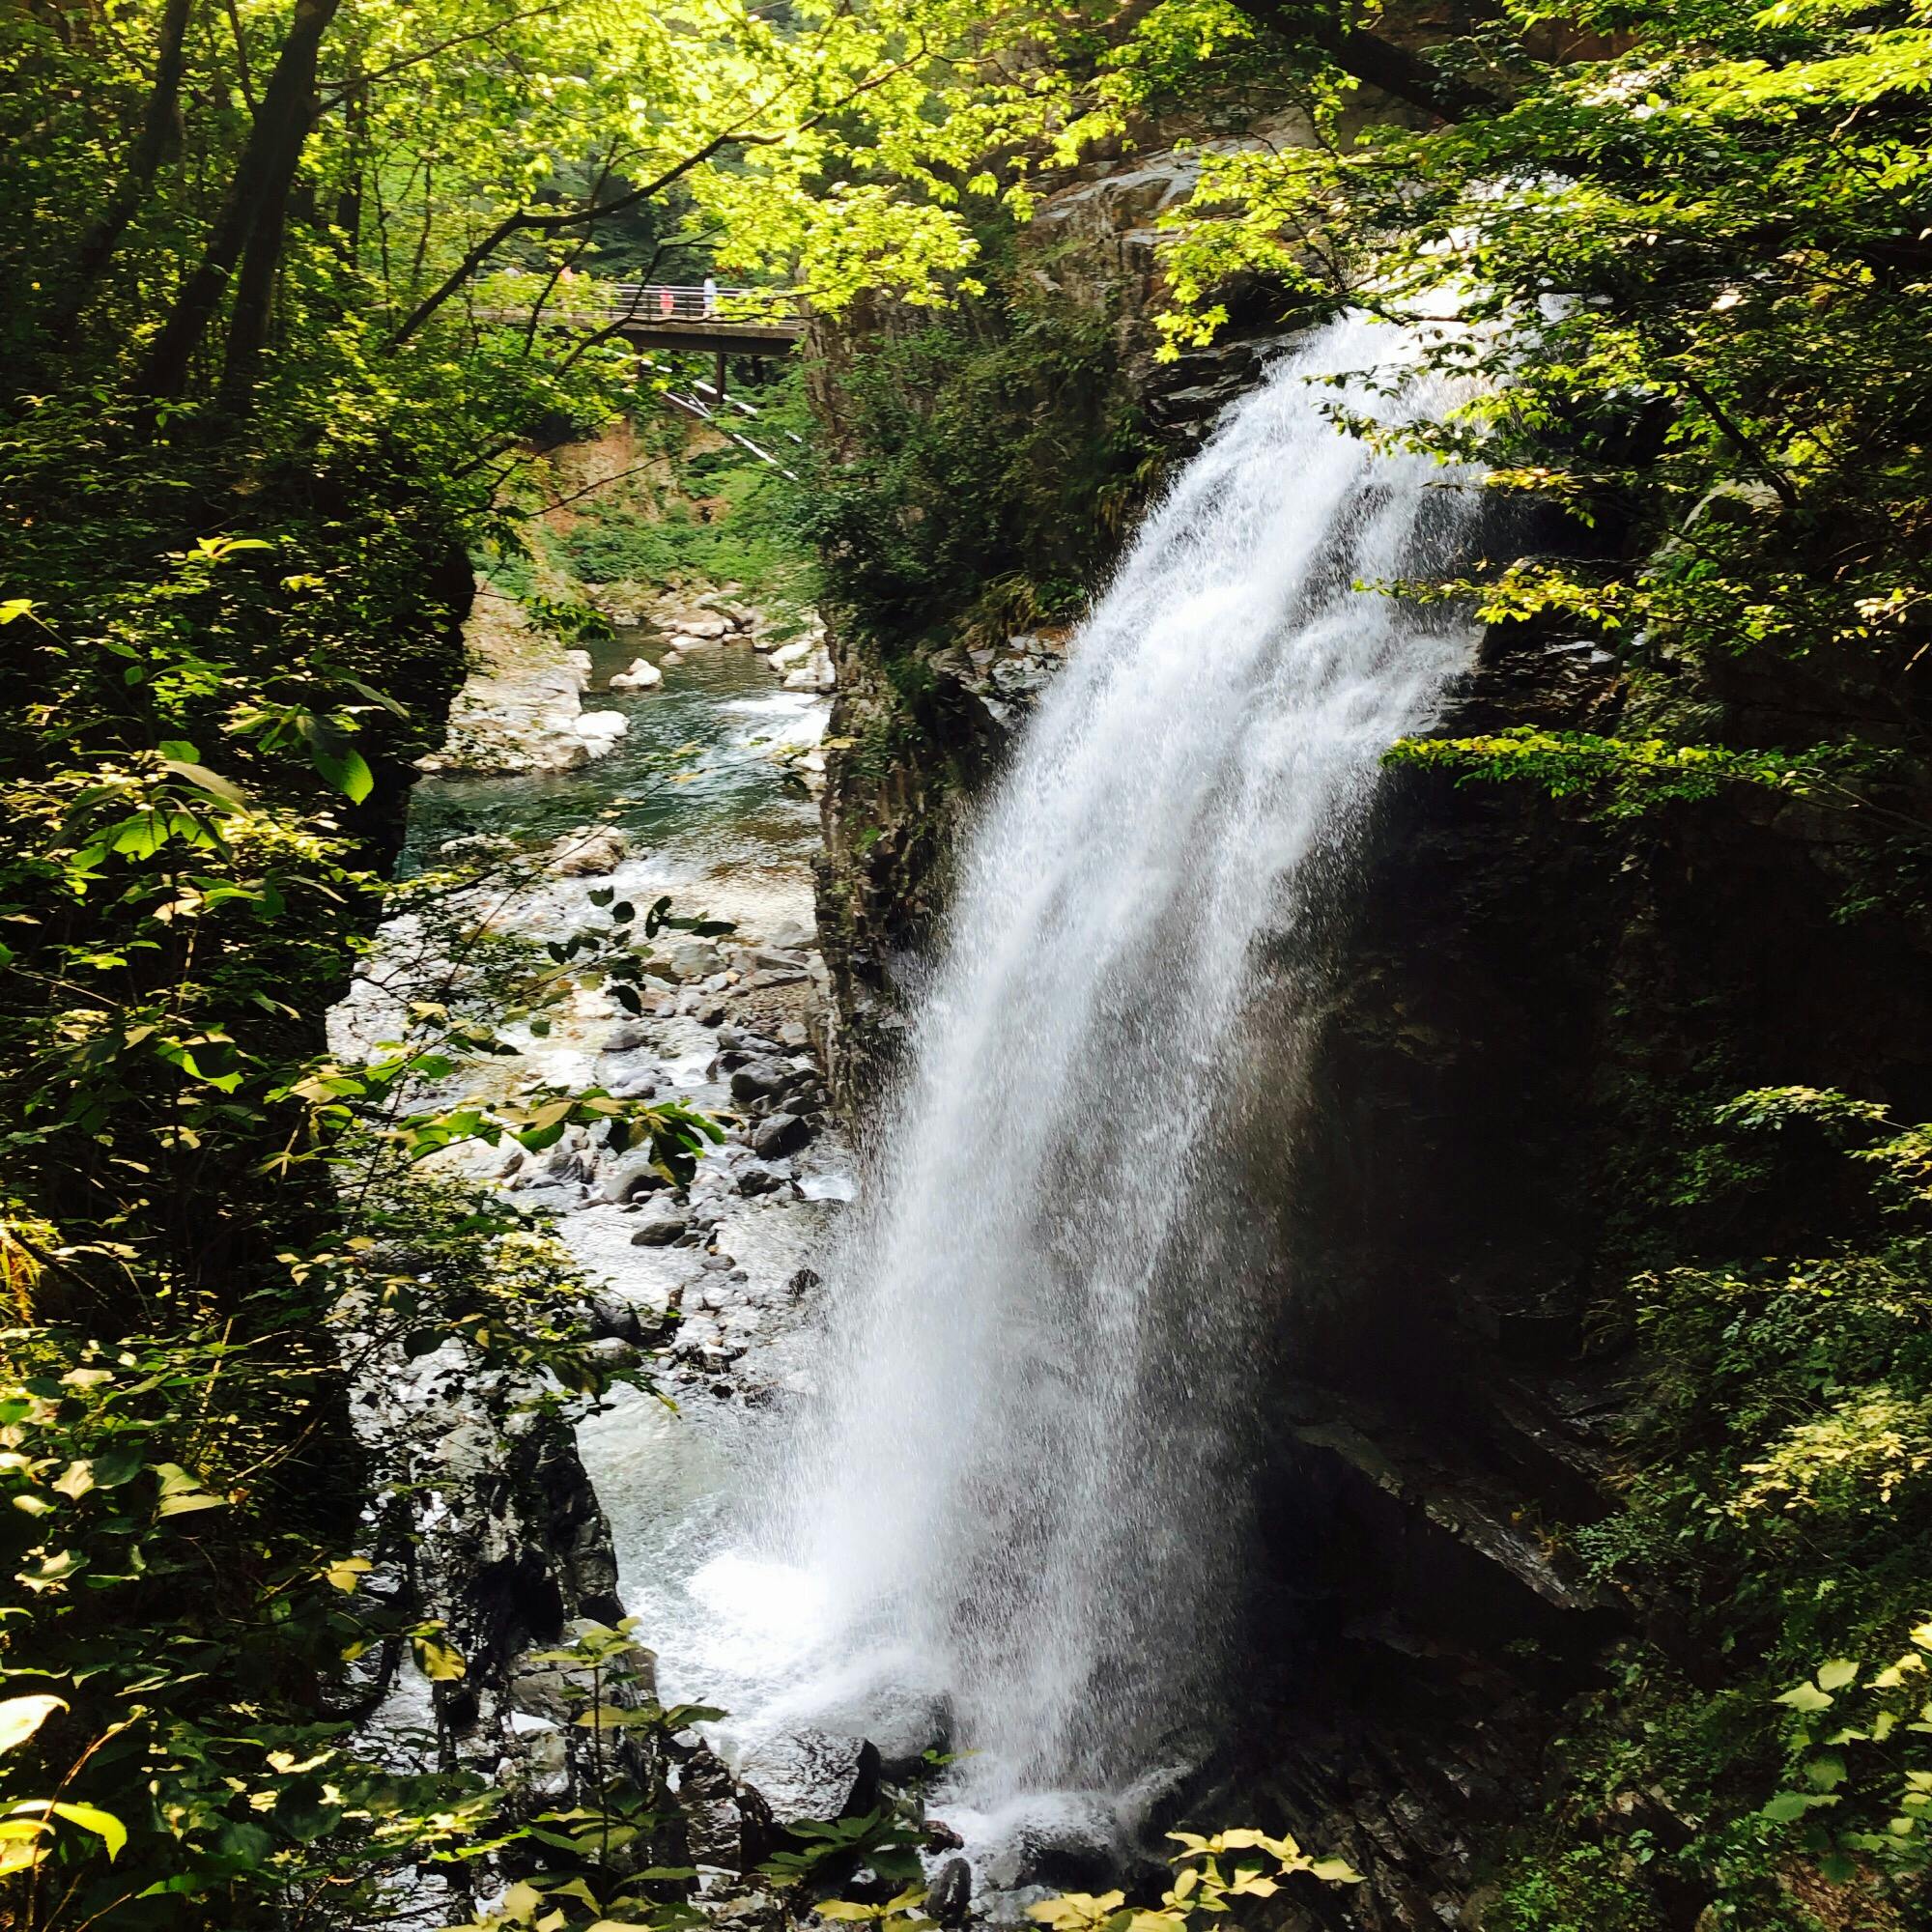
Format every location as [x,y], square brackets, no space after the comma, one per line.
[1024,1489]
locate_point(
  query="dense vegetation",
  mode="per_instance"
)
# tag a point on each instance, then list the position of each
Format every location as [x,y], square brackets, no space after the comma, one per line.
[278,356]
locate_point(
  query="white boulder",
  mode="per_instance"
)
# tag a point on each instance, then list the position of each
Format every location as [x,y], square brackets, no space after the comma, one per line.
[814,674]
[587,851]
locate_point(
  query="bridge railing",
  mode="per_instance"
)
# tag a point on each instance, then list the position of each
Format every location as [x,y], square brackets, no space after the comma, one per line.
[585,303]
[670,301]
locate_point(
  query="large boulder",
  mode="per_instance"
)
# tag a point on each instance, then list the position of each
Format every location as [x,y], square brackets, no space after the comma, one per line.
[780,1134]
[683,957]
[643,675]
[587,851]
[1069,1842]
[760,1080]
[813,1775]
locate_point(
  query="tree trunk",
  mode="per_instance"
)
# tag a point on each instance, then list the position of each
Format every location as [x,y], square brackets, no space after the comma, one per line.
[256,200]
[96,248]
[253,307]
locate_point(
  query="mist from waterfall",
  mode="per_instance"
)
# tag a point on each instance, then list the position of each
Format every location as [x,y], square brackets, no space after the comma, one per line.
[1022,1490]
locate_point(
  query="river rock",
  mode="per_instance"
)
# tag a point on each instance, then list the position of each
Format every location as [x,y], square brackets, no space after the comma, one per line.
[788,655]
[643,675]
[780,1134]
[813,1775]
[755,1179]
[760,1080]
[610,1315]
[588,851]
[478,844]
[626,1036]
[777,975]
[1064,1842]
[727,1825]
[631,1176]
[815,673]
[949,1893]
[663,1223]
[685,956]
[607,725]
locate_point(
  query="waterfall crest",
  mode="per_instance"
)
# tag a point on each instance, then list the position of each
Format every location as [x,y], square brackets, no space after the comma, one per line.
[1024,1490]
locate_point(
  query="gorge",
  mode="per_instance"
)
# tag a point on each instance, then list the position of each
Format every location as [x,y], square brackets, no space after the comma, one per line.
[965,963]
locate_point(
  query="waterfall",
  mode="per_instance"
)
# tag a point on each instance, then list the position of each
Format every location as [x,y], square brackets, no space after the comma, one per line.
[1025,1491]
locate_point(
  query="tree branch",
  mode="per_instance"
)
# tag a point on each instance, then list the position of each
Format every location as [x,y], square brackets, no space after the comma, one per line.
[1377,63]
[261,174]
[524,222]
[335,89]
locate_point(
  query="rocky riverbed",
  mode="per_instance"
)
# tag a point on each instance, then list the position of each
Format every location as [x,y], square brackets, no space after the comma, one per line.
[702,794]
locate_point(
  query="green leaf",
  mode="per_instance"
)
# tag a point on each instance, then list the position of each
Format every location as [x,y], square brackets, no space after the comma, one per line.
[1790,1804]
[187,1505]
[114,1466]
[21,1716]
[346,770]
[75,1480]
[1837,1674]
[105,1825]
[204,780]
[1805,1697]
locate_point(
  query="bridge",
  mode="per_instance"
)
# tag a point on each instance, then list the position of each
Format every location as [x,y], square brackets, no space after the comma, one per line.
[665,315]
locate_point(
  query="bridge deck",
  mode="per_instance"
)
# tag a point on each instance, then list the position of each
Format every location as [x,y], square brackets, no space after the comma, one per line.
[664,315]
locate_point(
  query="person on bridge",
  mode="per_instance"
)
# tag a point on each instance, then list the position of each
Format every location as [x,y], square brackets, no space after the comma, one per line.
[710,297]
[666,304]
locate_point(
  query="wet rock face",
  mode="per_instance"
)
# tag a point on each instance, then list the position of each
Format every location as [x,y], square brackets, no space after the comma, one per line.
[1508,986]
[809,1773]
[1095,243]
[890,835]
